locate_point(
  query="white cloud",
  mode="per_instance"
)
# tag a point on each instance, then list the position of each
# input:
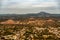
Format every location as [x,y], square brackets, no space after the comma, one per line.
[12,6]
[46,4]
[29,3]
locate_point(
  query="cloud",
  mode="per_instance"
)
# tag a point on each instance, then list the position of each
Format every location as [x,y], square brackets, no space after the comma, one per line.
[28,3]
[46,4]
[27,6]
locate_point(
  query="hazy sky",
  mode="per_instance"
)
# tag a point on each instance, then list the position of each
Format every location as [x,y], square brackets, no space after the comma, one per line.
[29,6]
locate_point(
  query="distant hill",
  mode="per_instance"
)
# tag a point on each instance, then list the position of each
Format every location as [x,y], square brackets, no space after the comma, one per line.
[18,16]
[42,14]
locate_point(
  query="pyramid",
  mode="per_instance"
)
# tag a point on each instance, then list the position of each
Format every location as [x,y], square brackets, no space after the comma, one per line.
[8,22]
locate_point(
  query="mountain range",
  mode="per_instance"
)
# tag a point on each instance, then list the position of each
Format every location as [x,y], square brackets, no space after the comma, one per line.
[18,16]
